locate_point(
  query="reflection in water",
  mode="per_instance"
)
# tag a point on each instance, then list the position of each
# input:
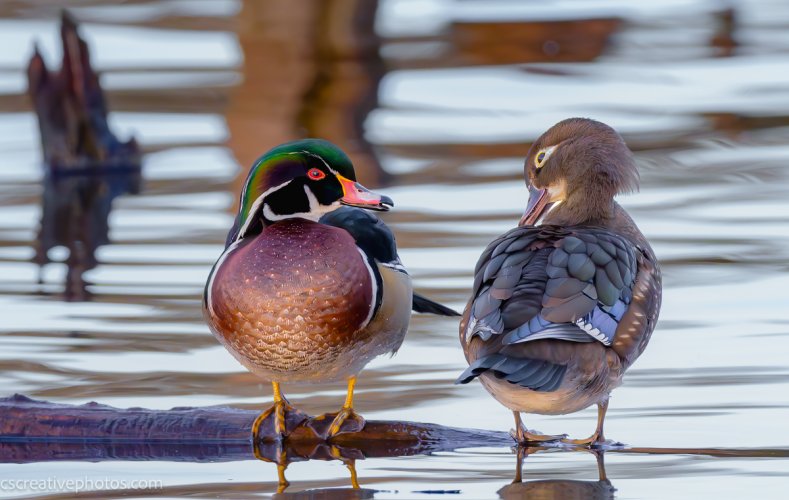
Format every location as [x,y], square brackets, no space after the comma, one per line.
[328,494]
[87,167]
[72,115]
[547,40]
[724,40]
[381,439]
[543,489]
[75,208]
[238,451]
[283,454]
[710,134]
[310,70]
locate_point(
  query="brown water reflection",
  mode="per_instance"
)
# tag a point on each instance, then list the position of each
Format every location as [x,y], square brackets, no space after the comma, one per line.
[85,166]
[75,210]
[553,488]
[438,103]
[311,69]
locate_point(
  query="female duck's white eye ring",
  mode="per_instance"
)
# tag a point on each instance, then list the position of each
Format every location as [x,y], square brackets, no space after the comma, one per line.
[542,156]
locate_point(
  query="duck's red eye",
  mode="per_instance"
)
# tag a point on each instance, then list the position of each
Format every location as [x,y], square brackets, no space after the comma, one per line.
[316,174]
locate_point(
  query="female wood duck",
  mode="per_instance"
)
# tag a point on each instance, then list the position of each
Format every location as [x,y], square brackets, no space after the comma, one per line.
[308,290]
[563,304]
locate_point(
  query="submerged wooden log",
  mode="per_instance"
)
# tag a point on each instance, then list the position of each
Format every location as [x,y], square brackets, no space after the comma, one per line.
[32,430]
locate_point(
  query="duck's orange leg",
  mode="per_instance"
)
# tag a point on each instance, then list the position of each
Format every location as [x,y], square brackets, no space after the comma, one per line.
[350,463]
[281,461]
[346,420]
[279,420]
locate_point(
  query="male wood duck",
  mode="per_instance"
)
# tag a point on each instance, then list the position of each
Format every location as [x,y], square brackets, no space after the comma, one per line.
[309,289]
[563,304]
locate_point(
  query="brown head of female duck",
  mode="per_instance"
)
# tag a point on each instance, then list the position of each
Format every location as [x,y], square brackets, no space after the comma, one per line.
[563,304]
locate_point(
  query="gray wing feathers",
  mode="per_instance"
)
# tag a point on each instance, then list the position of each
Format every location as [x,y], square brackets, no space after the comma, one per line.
[498,281]
[547,282]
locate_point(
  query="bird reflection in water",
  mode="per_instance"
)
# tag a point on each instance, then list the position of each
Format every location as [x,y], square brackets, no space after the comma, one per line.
[558,488]
[283,454]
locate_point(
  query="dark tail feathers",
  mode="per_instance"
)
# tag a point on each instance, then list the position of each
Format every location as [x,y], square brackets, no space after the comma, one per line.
[537,375]
[425,305]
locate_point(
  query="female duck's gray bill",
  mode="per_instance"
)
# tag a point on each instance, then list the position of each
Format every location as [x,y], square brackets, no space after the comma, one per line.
[356,195]
[537,205]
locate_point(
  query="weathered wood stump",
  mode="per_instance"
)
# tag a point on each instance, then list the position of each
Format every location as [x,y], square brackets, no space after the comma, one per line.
[86,166]
[71,110]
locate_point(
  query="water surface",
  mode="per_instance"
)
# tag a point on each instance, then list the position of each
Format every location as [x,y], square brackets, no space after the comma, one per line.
[437,106]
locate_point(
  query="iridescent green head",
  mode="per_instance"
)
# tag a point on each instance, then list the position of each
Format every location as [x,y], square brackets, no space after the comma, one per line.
[306,179]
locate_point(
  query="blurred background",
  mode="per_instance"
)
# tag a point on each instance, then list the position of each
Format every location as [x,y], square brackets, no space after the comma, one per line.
[436,102]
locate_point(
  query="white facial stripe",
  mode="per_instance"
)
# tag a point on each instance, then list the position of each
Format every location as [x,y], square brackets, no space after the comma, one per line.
[313,216]
[316,209]
[314,203]
[310,153]
[269,215]
[255,206]
[374,285]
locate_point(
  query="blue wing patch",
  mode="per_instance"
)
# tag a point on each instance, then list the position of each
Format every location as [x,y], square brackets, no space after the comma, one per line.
[602,322]
[540,328]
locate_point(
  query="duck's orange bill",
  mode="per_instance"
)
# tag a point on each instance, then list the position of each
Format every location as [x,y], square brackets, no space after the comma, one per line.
[538,202]
[356,195]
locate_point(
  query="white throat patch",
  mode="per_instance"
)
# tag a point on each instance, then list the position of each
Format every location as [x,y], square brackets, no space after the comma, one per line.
[316,209]
[542,217]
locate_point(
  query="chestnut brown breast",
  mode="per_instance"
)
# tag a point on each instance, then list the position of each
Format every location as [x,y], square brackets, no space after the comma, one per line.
[289,302]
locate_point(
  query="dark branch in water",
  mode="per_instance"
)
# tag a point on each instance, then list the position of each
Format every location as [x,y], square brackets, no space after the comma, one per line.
[86,166]
[32,431]
[71,110]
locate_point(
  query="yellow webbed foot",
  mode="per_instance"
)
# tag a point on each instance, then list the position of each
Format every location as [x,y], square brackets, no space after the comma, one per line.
[278,421]
[329,425]
[345,421]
